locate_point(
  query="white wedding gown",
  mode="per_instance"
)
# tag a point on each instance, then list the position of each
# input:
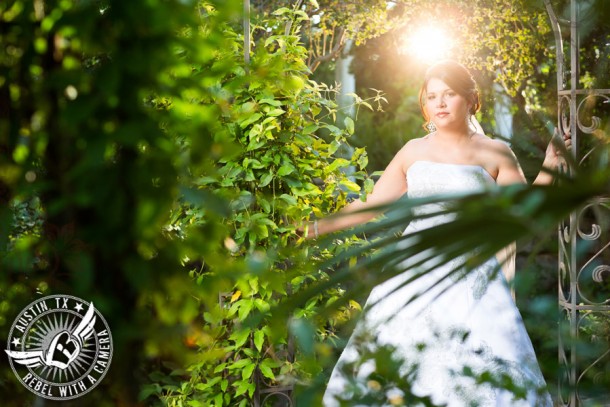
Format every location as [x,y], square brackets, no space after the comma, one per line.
[473,324]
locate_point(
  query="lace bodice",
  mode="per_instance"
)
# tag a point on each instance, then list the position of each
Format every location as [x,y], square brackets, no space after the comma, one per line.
[425,178]
[430,178]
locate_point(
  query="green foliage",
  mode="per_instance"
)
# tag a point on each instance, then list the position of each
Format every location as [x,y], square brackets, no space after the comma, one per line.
[274,160]
[77,135]
[388,380]
[385,133]
[518,23]
[146,168]
[166,168]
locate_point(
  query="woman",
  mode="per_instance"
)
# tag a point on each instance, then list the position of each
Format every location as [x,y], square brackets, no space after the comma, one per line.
[474,323]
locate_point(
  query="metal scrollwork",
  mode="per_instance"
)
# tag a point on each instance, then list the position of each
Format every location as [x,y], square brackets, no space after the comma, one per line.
[595,121]
[596,230]
[566,234]
[583,261]
[565,114]
[286,400]
[598,273]
[564,292]
[586,292]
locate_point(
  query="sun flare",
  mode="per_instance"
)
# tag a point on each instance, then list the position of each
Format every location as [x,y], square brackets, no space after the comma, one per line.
[429,44]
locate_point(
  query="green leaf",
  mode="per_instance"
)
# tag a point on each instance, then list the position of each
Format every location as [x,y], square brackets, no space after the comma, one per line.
[246,372]
[259,339]
[265,368]
[271,102]
[310,129]
[149,390]
[291,200]
[239,364]
[249,120]
[285,170]
[338,163]
[281,11]
[242,387]
[253,163]
[20,153]
[261,305]
[334,146]
[264,204]
[249,175]
[207,198]
[255,131]
[333,129]
[349,125]
[276,112]
[363,161]
[208,384]
[369,184]
[245,307]
[206,180]
[240,337]
[255,144]
[304,333]
[273,120]
[350,185]
[366,104]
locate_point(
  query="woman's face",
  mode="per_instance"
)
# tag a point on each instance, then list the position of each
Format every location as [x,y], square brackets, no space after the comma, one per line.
[445,107]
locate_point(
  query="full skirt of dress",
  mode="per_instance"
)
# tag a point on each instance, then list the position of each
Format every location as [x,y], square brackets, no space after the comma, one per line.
[465,334]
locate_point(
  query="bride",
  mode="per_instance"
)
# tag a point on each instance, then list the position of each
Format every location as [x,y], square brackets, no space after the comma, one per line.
[468,324]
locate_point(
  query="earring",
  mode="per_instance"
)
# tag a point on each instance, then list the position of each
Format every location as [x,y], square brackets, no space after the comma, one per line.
[431,126]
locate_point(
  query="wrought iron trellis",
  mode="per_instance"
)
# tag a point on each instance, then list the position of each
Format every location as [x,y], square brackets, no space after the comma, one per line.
[584,241]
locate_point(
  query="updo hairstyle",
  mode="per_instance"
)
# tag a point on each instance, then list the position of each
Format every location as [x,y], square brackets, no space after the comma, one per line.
[458,78]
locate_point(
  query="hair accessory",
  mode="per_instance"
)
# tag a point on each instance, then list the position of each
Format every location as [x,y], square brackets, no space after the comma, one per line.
[431,126]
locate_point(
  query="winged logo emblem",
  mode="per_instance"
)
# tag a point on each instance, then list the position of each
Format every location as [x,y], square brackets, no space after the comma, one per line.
[64,348]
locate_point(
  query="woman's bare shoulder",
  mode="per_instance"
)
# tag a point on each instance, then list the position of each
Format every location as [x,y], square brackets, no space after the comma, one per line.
[413,149]
[492,148]
[417,143]
[484,139]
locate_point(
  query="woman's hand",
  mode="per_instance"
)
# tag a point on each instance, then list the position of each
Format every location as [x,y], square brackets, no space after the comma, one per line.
[553,157]
[554,151]
[311,230]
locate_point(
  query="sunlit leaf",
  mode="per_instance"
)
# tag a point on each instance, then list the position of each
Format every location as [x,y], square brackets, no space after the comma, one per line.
[259,338]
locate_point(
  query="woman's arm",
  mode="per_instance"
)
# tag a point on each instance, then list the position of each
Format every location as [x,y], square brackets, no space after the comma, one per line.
[509,170]
[391,185]
[552,158]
